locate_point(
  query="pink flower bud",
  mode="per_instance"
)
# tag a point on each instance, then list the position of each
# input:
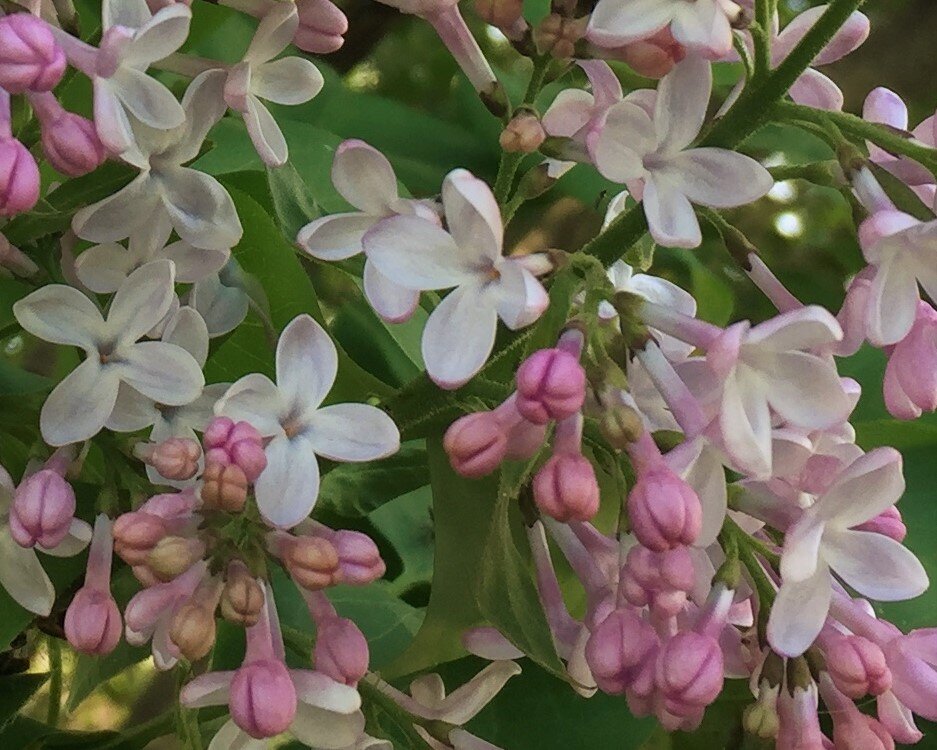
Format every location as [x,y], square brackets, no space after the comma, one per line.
[19,177]
[524,134]
[664,510]
[653,57]
[910,384]
[175,458]
[359,559]
[173,555]
[660,580]
[887,523]
[476,444]
[312,561]
[42,510]
[224,486]
[30,59]
[566,489]
[69,141]
[322,26]
[551,384]
[227,443]
[858,666]
[341,651]
[92,622]
[619,649]
[217,432]
[860,732]
[262,700]
[136,533]
[689,673]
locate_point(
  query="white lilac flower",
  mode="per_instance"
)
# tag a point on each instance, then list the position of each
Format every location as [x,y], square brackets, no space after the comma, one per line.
[824,541]
[365,178]
[134,411]
[196,204]
[704,26]
[103,268]
[21,573]
[133,38]
[81,404]
[259,77]
[290,412]
[222,305]
[651,155]
[770,367]
[418,254]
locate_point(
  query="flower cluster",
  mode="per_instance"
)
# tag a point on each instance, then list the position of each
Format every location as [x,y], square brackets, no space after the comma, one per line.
[688,502]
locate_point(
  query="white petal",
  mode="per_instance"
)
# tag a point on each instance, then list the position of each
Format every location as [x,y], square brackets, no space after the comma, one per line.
[132,411]
[416,253]
[875,565]
[273,34]
[62,315]
[745,422]
[802,549]
[813,89]
[870,485]
[670,215]
[392,302]
[463,703]
[707,477]
[627,137]
[806,390]
[222,307]
[463,316]
[799,612]
[288,487]
[119,215]
[23,577]
[75,541]
[201,210]
[160,36]
[614,23]
[522,299]
[265,133]
[352,432]
[893,301]
[307,363]
[719,178]
[231,737]
[473,217]
[335,237]
[187,329]
[809,327]
[204,106]
[682,98]
[103,268]
[364,178]
[569,113]
[129,13]
[165,372]
[142,301]
[147,99]
[209,689]
[255,399]
[703,26]
[290,80]
[325,729]
[193,263]
[113,124]
[79,406]
[316,690]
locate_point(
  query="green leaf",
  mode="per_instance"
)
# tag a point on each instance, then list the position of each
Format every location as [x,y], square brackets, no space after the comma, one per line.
[461,509]
[17,382]
[536,10]
[24,732]
[535,711]
[17,690]
[11,291]
[507,594]
[294,206]
[353,490]
[546,330]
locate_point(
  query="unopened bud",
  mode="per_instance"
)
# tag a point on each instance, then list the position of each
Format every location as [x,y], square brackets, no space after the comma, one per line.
[312,562]
[523,134]
[19,177]
[224,487]
[242,598]
[15,260]
[476,444]
[664,510]
[858,666]
[30,58]
[551,384]
[761,718]
[341,651]
[558,36]
[92,622]
[227,442]
[262,700]
[566,489]
[619,650]
[135,535]
[690,673]
[173,555]
[621,426]
[42,510]
[193,630]
[322,26]
[358,557]
[175,458]
[69,141]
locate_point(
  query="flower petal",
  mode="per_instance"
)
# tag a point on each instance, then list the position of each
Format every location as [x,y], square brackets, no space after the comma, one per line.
[463,703]
[392,302]
[473,217]
[627,137]
[265,133]
[719,178]
[22,576]
[255,399]
[614,23]
[194,263]
[103,268]
[808,327]
[806,391]
[201,210]
[682,99]
[288,487]
[875,565]
[307,363]
[187,329]
[160,36]
[61,315]
[290,80]
[79,406]
[813,89]
[142,301]
[522,298]
[324,729]
[148,100]
[232,737]
[569,113]
[745,423]
[365,178]
[352,432]
[802,549]
[335,237]
[274,33]
[893,301]
[868,486]
[132,411]
[316,690]
[670,215]
[223,307]
[209,689]
[166,373]
[799,612]
[465,317]
[119,215]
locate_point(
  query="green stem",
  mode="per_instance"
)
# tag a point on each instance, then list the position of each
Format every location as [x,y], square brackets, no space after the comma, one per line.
[55,681]
[753,109]
[761,35]
[187,726]
[826,173]
[892,141]
[141,734]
